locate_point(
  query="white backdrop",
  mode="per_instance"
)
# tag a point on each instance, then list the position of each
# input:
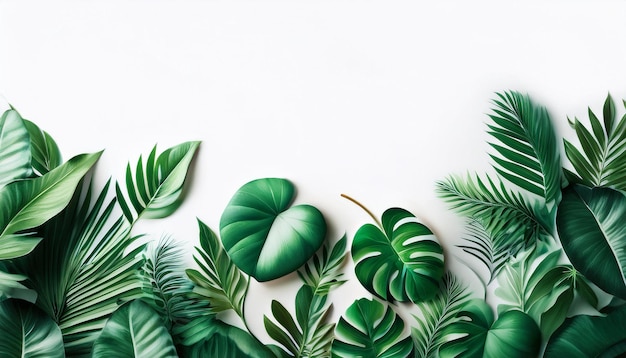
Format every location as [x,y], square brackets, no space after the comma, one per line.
[376,99]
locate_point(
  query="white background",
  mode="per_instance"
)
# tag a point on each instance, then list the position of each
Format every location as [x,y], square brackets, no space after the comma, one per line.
[376,99]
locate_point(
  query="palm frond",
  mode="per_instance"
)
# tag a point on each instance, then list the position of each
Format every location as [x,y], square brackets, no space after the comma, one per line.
[602,161]
[438,313]
[322,271]
[527,153]
[492,250]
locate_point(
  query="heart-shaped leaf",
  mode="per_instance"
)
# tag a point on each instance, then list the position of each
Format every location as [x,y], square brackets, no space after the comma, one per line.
[591,227]
[514,334]
[403,261]
[14,148]
[263,235]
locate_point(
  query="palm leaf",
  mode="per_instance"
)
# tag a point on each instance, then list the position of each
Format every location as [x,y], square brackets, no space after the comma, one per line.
[602,161]
[155,191]
[44,150]
[14,148]
[438,313]
[322,271]
[492,250]
[527,153]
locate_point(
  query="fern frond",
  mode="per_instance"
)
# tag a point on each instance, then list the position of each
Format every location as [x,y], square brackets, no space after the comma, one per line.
[526,145]
[438,313]
[321,272]
[492,250]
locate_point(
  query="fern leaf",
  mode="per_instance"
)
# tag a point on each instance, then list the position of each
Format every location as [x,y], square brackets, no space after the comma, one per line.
[492,250]
[321,272]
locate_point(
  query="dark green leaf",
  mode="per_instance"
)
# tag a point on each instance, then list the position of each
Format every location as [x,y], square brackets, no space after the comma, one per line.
[44,150]
[14,148]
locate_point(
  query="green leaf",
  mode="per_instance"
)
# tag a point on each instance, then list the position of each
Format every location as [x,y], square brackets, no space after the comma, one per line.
[27,204]
[371,329]
[513,334]
[590,336]
[322,271]
[44,150]
[28,332]
[10,287]
[155,192]
[220,282]
[402,261]
[487,248]
[134,330]
[591,227]
[14,148]
[527,152]
[437,314]
[263,235]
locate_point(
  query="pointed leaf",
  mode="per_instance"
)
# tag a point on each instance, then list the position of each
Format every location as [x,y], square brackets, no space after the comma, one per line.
[46,155]
[14,148]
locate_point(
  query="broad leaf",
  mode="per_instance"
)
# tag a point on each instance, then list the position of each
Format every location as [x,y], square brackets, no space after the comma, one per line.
[14,148]
[28,332]
[263,235]
[591,228]
[155,191]
[134,330]
[44,150]
[371,329]
[322,272]
[590,336]
[26,204]
[400,261]
[513,334]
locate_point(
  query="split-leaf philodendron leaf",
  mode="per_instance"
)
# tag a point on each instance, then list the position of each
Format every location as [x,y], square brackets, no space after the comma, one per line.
[14,148]
[400,261]
[591,228]
[263,235]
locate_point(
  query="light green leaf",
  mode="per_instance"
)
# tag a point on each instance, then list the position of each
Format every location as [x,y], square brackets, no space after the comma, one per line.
[14,148]
[134,330]
[263,235]
[322,272]
[371,329]
[588,336]
[155,192]
[514,334]
[28,332]
[26,204]
[44,150]
[591,227]
[10,287]
[400,261]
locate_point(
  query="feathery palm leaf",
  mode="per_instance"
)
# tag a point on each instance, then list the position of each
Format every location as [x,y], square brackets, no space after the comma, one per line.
[528,154]
[321,272]
[602,161]
[438,313]
[492,250]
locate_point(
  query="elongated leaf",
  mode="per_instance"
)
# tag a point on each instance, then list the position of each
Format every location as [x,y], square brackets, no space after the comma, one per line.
[513,334]
[10,287]
[27,204]
[403,262]
[591,228]
[28,332]
[156,189]
[263,235]
[322,272]
[14,148]
[220,282]
[371,329]
[491,250]
[134,330]
[588,336]
[44,150]
[526,144]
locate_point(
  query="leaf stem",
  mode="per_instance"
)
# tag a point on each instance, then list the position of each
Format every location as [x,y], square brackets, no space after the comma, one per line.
[364,208]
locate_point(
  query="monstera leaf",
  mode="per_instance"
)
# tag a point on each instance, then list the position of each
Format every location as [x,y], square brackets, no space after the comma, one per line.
[44,150]
[14,148]
[591,227]
[263,235]
[28,332]
[371,329]
[513,334]
[134,330]
[400,261]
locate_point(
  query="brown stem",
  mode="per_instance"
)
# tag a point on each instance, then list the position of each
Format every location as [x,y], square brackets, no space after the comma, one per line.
[364,208]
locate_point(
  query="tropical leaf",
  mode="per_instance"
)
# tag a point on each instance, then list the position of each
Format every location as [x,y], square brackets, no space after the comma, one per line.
[134,330]
[526,144]
[602,161]
[591,227]
[44,150]
[322,271]
[492,251]
[14,148]
[10,287]
[371,329]
[220,282]
[155,191]
[28,332]
[436,314]
[401,261]
[27,204]
[513,334]
[264,236]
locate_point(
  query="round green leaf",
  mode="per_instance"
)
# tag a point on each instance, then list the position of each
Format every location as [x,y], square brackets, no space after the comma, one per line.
[263,235]
[591,228]
[405,262]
